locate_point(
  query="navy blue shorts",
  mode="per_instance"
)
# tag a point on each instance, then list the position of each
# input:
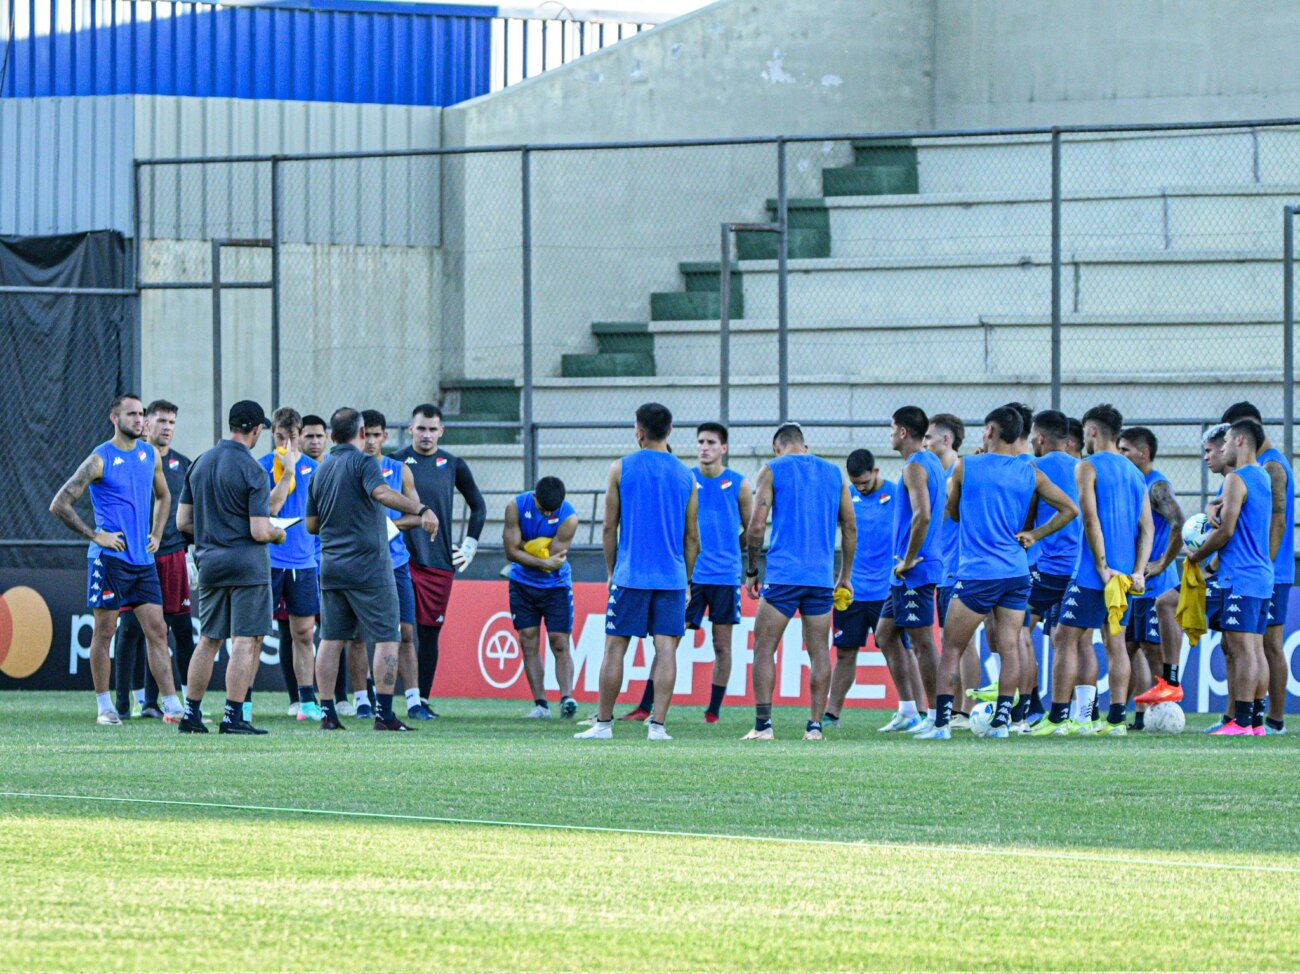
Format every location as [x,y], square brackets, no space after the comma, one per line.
[1213,607]
[983,595]
[1085,608]
[721,601]
[942,598]
[1143,624]
[910,608]
[298,588]
[639,612]
[405,595]
[1045,595]
[1244,613]
[808,600]
[852,625]
[113,583]
[530,606]
[1278,604]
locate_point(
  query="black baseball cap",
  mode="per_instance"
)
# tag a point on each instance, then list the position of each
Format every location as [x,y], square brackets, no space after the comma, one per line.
[246,414]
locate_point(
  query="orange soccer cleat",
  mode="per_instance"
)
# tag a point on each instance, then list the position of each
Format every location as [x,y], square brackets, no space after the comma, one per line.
[1162,692]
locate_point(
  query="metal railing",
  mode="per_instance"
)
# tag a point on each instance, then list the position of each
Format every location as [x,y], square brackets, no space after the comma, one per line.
[524,47]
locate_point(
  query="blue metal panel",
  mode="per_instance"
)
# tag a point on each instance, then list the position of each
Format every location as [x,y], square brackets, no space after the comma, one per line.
[300,50]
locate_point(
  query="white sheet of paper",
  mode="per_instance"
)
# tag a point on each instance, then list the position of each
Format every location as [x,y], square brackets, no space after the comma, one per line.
[393,530]
[284,523]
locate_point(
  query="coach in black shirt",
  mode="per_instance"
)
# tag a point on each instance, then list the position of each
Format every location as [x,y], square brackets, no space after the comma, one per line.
[345,506]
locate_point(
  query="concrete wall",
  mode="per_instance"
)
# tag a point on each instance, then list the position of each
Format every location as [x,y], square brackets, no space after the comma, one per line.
[1049,62]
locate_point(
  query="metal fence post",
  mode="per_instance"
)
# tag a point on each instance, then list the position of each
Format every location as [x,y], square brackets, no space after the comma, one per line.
[526,400]
[782,271]
[1056,268]
[275,283]
[1288,330]
[136,364]
[216,341]
[724,331]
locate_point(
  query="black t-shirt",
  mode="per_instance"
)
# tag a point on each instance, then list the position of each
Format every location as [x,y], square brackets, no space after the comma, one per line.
[353,525]
[226,487]
[437,477]
[175,466]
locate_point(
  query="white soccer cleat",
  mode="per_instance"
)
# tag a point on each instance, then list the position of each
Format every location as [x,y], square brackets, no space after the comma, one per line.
[293,709]
[538,713]
[345,708]
[895,723]
[599,731]
[933,733]
[920,725]
[588,721]
[656,732]
[959,722]
[108,718]
[1020,727]
[760,735]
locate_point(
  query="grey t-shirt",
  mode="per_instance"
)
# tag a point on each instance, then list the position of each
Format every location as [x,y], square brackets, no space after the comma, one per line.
[353,525]
[226,487]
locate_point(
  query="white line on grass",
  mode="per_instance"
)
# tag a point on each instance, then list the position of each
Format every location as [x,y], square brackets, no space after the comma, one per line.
[665,833]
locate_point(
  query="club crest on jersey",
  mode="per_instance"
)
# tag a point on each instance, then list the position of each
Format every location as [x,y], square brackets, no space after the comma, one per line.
[140,454]
[440,462]
[552,520]
[724,485]
[884,498]
[304,470]
[173,463]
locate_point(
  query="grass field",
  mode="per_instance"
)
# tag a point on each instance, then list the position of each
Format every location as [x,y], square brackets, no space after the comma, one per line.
[1027,854]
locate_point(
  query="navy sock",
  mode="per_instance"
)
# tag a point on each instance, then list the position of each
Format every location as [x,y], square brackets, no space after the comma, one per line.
[192,708]
[1059,712]
[943,709]
[1018,710]
[1169,672]
[1257,715]
[1035,702]
[233,712]
[716,693]
[813,725]
[306,694]
[1139,719]
[539,701]
[385,706]
[647,697]
[327,708]
[762,716]
[1001,712]
[1116,713]
[1276,725]
[1244,709]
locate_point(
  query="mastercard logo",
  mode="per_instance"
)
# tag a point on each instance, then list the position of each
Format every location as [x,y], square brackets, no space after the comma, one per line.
[26,632]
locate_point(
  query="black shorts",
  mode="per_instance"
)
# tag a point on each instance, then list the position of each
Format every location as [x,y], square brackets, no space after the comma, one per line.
[721,601]
[530,606]
[851,625]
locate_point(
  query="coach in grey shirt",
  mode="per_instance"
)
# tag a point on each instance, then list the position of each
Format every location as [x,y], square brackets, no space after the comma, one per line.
[345,506]
[225,508]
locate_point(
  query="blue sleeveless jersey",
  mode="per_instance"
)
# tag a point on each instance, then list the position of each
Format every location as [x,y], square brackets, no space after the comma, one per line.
[873,561]
[805,514]
[1058,554]
[1244,563]
[299,548]
[1035,551]
[123,500]
[534,524]
[719,520]
[654,490]
[393,477]
[996,492]
[1284,564]
[949,536]
[1120,490]
[929,571]
[1167,579]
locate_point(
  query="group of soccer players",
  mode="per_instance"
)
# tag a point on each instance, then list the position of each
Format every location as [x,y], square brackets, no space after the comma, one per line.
[1049,521]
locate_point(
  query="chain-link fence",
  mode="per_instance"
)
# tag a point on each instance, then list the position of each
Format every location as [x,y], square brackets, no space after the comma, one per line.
[541,293]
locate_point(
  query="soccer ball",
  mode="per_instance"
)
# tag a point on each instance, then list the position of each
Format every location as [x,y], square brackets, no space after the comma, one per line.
[1166,718]
[981,716]
[1195,529]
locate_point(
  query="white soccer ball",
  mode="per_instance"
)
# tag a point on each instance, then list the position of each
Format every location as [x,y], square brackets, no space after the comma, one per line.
[1195,529]
[981,716]
[1166,718]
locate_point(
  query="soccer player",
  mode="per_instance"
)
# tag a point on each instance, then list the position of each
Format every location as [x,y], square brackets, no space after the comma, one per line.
[539,527]
[651,541]
[990,497]
[873,513]
[918,555]
[1147,622]
[1117,534]
[1028,688]
[1245,574]
[398,476]
[125,478]
[313,440]
[434,559]
[345,506]
[173,575]
[806,496]
[1074,443]
[293,564]
[1215,441]
[225,507]
[1282,543]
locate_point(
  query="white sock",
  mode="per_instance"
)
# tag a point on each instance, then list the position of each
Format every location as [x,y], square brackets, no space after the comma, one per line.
[104,701]
[1081,708]
[172,705]
[907,708]
[185,691]
[139,697]
[930,714]
[412,697]
[362,698]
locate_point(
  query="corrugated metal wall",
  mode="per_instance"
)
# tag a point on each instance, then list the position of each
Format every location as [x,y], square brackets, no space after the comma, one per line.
[337,52]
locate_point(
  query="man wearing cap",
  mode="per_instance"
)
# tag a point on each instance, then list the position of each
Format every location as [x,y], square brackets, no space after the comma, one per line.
[225,507]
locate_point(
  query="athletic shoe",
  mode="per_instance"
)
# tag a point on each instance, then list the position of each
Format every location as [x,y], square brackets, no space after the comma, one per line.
[187,726]
[1035,718]
[1001,732]
[1114,730]
[363,711]
[985,694]
[151,712]
[1045,728]
[895,723]
[108,718]
[933,733]
[247,712]
[239,727]
[1020,727]
[172,718]
[655,732]
[588,721]
[568,707]
[760,735]
[1234,729]
[959,722]
[830,721]
[293,709]
[710,717]
[813,734]
[124,715]
[311,711]
[328,723]
[392,724]
[418,712]
[920,725]
[1259,731]
[637,714]
[1090,728]
[1216,726]
[538,713]
[1137,728]
[345,708]
[1272,731]
[1162,692]
[429,705]
[596,732]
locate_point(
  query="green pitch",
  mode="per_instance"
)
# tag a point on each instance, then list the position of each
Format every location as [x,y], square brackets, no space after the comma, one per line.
[1032,854]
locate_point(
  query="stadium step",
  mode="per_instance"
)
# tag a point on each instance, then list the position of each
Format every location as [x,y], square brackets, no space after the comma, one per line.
[869,180]
[884,152]
[484,401]
[574,366]
[804,243]
[702,297]
[623,336]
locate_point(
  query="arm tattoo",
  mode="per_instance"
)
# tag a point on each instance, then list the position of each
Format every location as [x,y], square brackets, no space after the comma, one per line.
[70,493]
[1165,504]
